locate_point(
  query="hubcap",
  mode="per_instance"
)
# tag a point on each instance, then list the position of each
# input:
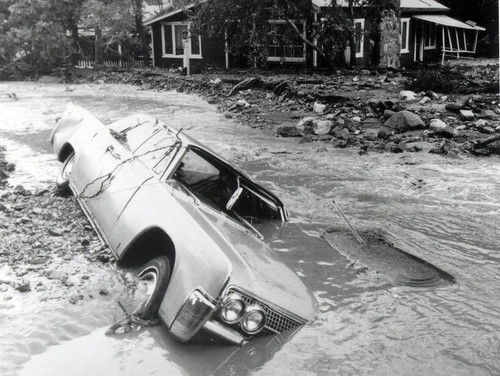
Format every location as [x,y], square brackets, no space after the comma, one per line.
[68,167]
[146,286]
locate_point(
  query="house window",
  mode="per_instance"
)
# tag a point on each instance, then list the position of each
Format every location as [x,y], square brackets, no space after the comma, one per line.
[172,40]
[289,50]
[429,35]
[405,35]
[359,28]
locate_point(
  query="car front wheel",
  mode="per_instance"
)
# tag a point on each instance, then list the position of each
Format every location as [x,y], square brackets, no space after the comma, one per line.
[153,282]
[62,181]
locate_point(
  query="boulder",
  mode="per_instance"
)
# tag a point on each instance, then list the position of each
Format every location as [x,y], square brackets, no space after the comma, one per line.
[490,114]
[304,123]
[288,131]
[319,108]
[321,127]
[407,95]
[467,114]
[454,107]
[242,103]
[424,100]
[405,121]
[432,95]
[440,127]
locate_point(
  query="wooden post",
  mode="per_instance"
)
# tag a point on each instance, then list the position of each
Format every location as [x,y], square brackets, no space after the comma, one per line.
[443,47]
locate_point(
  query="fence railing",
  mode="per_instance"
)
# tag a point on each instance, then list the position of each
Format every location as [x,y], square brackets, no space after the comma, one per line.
[86,63]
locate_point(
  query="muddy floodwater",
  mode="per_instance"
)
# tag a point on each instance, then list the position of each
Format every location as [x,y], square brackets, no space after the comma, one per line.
[444,211]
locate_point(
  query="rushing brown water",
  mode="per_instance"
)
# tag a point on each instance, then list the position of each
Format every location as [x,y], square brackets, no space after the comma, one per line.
[443,211]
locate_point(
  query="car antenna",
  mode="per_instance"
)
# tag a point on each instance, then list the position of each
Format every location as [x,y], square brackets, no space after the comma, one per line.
[356,234]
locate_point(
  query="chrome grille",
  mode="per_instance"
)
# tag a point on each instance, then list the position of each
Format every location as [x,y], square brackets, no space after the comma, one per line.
[275,322]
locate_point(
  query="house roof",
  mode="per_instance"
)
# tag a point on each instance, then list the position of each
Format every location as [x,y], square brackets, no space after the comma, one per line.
[168,14]
[407,5]
[422,5]
[441,19]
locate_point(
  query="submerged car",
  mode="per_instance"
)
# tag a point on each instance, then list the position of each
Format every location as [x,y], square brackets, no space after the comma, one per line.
[165,203]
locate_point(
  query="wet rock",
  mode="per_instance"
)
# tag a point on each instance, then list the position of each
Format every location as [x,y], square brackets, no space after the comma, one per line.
[242,103]
[20,190]
[55,231]
[57,275]
[432,95]
[382,134]
[322,127]
[20,206]
[407,95]
[371,134]
[487,130]
[319,108]
[490,114]
[424,100]
[397,148]
[440,127]
[305,123]
[467,114]
[389,113]
[288,131]
[23,286]
[454,107]
[405,121]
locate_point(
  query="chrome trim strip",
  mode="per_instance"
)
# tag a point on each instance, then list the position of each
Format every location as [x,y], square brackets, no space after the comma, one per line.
[217,329]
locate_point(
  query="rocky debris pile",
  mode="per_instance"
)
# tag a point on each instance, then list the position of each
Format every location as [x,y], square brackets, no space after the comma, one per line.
[5,168]
[40,232]
[456,79]
[412,122]
[356,108]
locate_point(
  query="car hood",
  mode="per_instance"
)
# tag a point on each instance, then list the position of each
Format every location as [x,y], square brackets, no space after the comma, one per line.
[257,269]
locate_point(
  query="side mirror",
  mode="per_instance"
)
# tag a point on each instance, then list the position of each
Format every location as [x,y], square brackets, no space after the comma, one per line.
[236,195]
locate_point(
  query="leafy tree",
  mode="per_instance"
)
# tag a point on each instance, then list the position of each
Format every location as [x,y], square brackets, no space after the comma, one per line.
[247,30]
[31,30]
[115,17]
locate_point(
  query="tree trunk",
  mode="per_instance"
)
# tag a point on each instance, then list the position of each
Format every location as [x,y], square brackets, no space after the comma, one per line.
[352,39]
[99,56]
[75,54]
[141,32]
[311,44]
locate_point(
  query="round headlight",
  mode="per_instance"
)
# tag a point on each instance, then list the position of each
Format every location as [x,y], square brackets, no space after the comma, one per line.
[232,309]
[254,319]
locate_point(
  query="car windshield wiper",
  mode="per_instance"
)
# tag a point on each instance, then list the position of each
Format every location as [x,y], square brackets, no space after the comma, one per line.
[247,224]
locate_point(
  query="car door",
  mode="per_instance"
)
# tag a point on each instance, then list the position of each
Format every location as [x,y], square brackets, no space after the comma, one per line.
[127,163]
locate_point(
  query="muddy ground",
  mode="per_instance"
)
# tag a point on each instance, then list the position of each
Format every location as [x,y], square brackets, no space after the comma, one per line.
[57,282]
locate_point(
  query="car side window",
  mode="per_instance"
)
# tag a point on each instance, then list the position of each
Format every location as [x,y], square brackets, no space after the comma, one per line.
[209,182]
[214,184]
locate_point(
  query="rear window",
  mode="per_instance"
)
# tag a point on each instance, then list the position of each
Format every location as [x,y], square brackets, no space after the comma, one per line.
[153,145]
